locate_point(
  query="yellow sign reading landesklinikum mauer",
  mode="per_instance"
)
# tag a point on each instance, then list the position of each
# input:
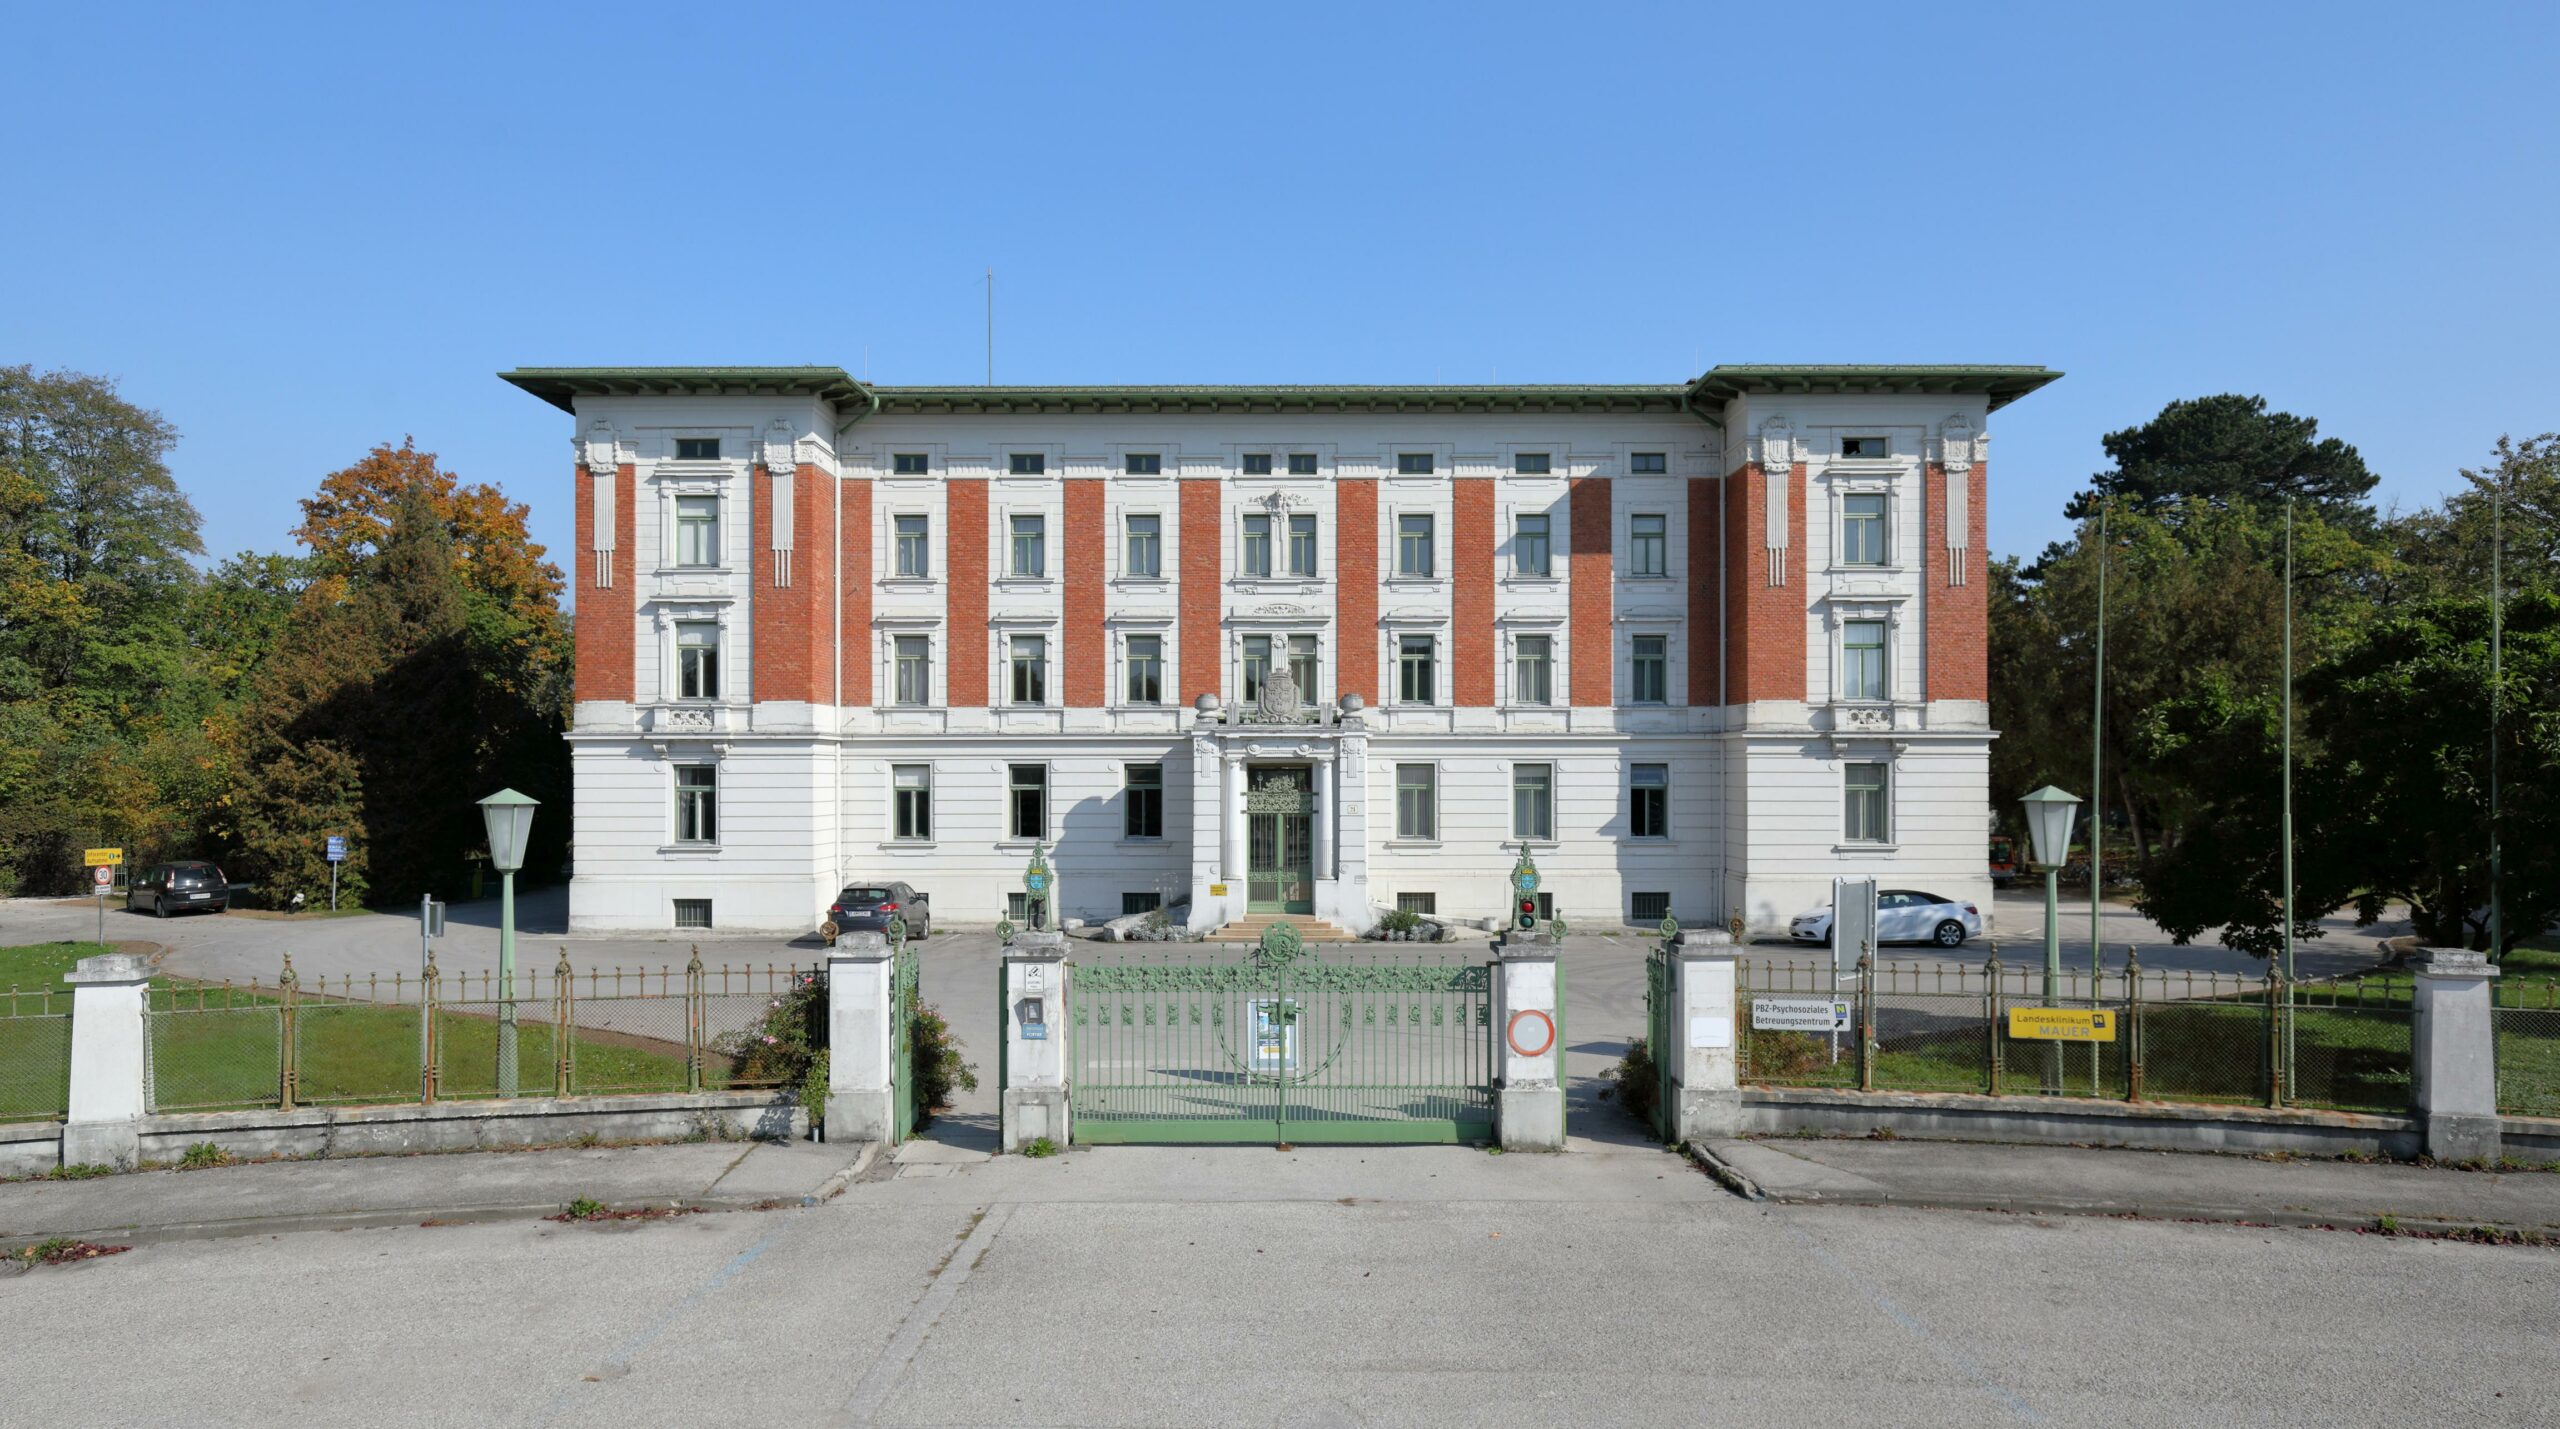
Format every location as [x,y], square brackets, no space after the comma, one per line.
[2062,1024]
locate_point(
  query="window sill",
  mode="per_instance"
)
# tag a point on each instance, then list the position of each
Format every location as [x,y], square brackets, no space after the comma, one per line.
[907,582]
[1418,845]
[1142,838]
[1866,848]
[1025,582]
[907,846]
[1414,580]
[688,848]
[1850,570]
[1516,841]
[1530,582]
[1140,583]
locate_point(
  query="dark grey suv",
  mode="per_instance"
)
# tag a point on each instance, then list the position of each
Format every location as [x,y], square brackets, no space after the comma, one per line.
[166,888]
[868,907]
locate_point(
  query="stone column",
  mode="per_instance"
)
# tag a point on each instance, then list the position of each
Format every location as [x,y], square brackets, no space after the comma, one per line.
[107,1062]
[1232,870]
[1034,1098]
[1323,819]
[861,1093]
[2454,1064]
[1529,1047]
[1703,1069]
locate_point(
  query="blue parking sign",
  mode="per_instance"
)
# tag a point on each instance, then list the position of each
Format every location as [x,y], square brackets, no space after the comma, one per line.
[337,849]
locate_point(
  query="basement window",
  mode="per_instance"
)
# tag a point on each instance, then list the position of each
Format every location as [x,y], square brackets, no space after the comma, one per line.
[693,912]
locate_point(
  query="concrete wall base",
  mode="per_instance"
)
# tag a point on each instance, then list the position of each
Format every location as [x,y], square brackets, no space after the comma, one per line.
[1530,1117]
[1705,1112]
[102,1143]
[1030,1113]
[1780,1110]
[860,1116]
[2453,1137]
[2529,1138]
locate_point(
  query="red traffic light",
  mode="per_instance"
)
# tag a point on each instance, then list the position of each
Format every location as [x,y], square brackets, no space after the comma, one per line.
[1528,905]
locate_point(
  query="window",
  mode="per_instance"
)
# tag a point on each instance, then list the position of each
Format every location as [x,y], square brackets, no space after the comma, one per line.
[1413,463]
[1027,803]
[1533,801]
[1144,464]
[1146,547]
[1257,665]
[1648,908]
[914,670]
[1031,669]
[1143,814]
[697,448]
[1648,463]
[1257,463]
[911,790]
[1426,904]
[1867,786]
[1413,545]
[1649,670]
[912,535]
[1533,669]
[697,530]
[1648,546]
[908,464]
[1146,669]
[1132,904]
[1869,447]
[1529,546]
[1028,464]
[1030,545]
[1862,530]
[1546,901]
[1302,463]
[1017,906]
[1302,665]
[1417,801]
[697,803]
[1862,660]
[697,660]
[1257,545]
[1302,545]
[1413,669]
[1649,801]
[1530,464]
[693,912]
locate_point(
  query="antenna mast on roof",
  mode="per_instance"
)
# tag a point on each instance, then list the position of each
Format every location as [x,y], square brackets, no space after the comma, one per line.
[991,327]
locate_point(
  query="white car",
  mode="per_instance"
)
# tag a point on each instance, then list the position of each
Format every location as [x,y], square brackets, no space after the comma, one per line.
[1903,915]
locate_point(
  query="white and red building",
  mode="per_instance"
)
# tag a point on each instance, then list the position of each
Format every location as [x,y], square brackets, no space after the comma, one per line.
[1700,646]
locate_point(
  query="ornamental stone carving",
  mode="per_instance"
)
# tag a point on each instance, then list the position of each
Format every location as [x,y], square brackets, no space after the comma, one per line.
[781,447]
[1777,445]
[1278,701]
[600,450]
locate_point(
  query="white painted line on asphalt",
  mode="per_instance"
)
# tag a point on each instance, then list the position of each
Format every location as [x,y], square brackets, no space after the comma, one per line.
[882,1379]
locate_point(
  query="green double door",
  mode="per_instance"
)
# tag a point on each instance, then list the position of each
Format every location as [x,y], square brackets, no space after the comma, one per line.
[1280,859]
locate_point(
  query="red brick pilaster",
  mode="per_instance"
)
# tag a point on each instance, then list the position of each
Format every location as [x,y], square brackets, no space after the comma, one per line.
[607,616]
[1767,647]
[1955,618]
[1200,589]
[965,614]
[790,659]
[1355,584]
[1592,575]
[1474,550]
[1084,649]
[853,584]
[1706,631]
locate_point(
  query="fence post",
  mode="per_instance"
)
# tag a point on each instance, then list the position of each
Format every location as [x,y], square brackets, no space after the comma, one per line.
[564,995]
[427,1031]
[2132,1023]
[2276,1088]
[1035,1023]
[1705,1091]
[1991,1016]
[110,1032]
[861,1097]
[2453,1063]
[1866,1022]
[288,1078]
[695,1015]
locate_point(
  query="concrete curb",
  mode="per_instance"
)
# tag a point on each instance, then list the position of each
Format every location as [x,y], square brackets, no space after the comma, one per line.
[443,1213]
[1723,1172]
[2288,1217]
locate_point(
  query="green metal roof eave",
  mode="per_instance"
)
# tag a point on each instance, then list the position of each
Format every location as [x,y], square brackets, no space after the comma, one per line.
[1645,398]
[562,386]
[2002,385]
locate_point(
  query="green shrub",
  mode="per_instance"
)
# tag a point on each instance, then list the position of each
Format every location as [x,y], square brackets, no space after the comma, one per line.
[1775,1056]
[813,1091]
[1639,1082]
[935,1060]
[1040,1146]
[1400,920]
[781,1046]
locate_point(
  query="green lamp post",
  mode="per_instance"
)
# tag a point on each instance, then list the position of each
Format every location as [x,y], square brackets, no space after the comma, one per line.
[2050,813]
[510,819]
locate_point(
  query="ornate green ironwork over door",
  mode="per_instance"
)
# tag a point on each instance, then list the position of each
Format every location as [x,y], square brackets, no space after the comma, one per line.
[1284,1048]
[1279,808]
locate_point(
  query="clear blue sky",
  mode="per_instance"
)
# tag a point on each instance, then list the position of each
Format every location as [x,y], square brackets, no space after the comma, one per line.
[301,231]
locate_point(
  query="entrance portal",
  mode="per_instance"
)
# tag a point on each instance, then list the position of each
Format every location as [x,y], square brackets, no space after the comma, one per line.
[1279,812]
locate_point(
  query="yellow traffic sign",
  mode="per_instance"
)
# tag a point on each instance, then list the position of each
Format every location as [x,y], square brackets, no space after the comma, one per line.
[109,857]
[2062,1024]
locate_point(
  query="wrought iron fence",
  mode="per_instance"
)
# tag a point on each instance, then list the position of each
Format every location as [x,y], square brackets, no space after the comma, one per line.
[35,1056]
[1938,1026]
[2526,1027]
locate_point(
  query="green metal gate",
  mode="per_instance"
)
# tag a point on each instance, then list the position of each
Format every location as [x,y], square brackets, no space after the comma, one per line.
[1660,1041]
[902,1024]
[1279,809]
[1282,1048]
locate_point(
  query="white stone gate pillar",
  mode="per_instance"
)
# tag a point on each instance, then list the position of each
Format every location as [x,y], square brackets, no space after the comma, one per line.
[1036,1029]
[1528,1031]
[1231,813]
[1323,819]
[2454,1061]
[861,1092]
[1703,1068]
[104,1127]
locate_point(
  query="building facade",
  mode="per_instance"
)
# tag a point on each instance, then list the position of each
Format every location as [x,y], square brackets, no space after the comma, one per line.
[1698,647]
